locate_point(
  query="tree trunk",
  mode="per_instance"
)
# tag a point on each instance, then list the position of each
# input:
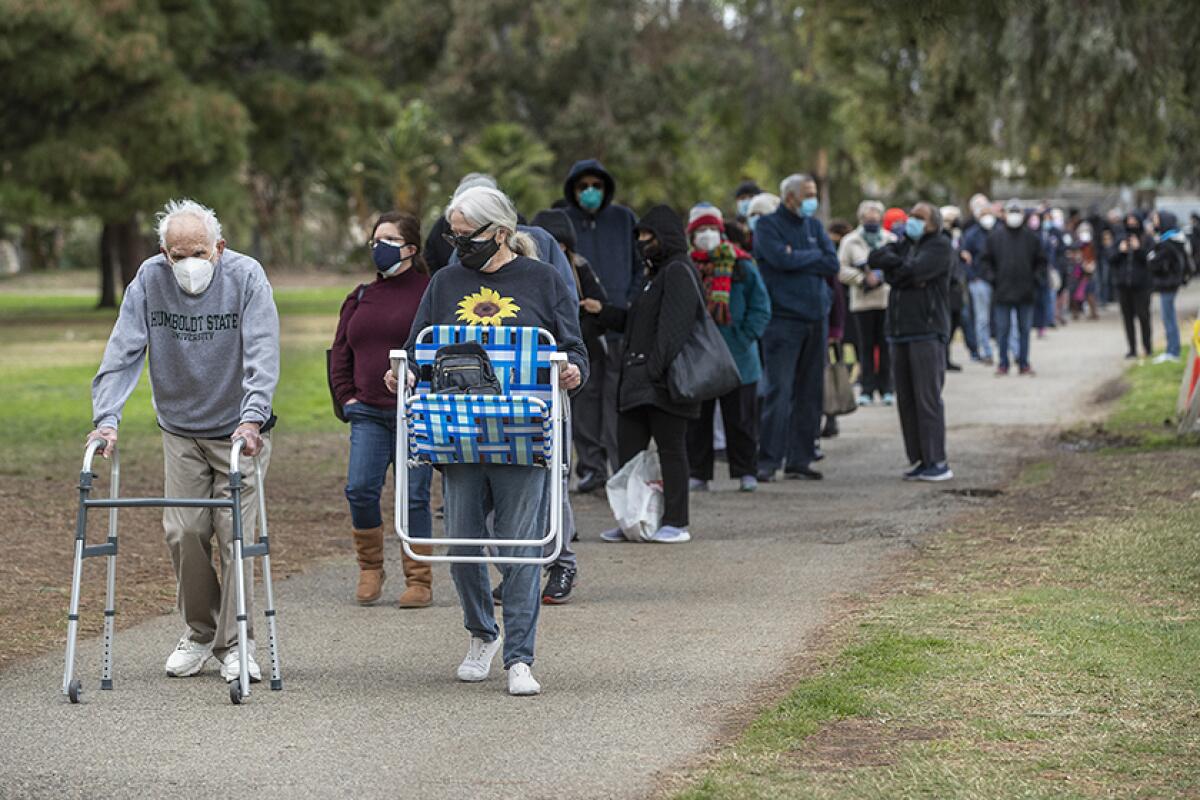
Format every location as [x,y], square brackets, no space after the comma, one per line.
[822,176]
[108,289]
[129,249]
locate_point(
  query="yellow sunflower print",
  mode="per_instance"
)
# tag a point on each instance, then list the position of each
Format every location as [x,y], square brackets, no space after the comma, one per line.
[486,307]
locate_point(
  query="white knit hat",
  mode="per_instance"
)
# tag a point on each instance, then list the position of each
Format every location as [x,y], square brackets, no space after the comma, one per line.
[765,203]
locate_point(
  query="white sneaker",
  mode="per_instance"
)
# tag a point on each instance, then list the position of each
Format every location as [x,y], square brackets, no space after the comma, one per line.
[188,658]
[230,668]
[668,534]
[521,682]
[697,485]
[478,661]
[1163,358]
[613,535]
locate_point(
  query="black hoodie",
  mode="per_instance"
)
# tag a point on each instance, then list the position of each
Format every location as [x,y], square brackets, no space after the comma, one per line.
[659,319]
[604,237]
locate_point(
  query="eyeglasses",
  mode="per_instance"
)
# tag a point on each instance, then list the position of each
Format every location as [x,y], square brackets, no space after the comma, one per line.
[465,242]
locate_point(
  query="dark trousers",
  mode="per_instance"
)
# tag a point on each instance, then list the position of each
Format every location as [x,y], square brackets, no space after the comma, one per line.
[968,327]
[594,415]
[634,429]
[739,412]
[956,324]
[1135,304]
[793,393]
[871,335]
[1002,315]
[920,370]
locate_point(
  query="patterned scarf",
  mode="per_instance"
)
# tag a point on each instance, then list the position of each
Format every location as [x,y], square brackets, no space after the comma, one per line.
[716,268]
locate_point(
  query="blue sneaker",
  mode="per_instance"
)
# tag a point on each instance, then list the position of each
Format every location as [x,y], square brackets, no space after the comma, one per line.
[938,472]
[915,472]
[669,534]
[613,535]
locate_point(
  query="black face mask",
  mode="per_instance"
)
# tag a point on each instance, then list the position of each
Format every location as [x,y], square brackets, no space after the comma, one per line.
[472,254]
[649,250]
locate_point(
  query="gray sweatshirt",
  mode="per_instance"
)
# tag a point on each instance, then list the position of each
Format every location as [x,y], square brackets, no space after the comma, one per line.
[214,357]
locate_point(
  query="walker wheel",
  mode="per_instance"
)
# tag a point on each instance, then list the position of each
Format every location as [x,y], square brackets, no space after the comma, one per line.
[235,691]
[74,690]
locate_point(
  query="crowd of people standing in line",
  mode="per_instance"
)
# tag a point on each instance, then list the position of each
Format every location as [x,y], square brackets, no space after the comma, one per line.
[621,294]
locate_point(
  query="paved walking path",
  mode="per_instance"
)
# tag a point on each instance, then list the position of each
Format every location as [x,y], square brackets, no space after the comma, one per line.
[660,647]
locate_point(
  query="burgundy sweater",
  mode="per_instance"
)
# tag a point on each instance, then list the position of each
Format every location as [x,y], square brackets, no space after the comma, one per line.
[369,328]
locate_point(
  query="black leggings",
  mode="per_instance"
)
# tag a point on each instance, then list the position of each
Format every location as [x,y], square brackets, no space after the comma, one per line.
[739,412]
[634,429]
[1135,304]
[872,333]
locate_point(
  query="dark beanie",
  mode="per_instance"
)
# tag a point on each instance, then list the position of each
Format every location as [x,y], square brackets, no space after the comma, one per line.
[747,187]
[558,225]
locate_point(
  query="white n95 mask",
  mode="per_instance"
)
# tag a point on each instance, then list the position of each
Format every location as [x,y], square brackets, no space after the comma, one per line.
[707,240]
[193,274]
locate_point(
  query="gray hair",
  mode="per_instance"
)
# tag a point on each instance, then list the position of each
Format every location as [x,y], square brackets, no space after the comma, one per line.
[473,179]
[188,208]
[869,205]
[792,183]
[486,205]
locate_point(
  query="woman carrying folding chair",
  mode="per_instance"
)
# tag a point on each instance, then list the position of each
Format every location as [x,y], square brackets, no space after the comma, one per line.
[498,281]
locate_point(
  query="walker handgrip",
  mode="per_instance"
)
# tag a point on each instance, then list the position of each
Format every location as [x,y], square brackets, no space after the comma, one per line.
[235,453]
[89,452]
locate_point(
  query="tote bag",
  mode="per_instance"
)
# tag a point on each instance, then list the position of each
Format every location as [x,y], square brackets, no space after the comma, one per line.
[839,391]
[704,368]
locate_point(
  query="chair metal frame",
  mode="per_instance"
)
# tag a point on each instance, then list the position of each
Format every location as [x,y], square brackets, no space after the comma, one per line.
[403,456]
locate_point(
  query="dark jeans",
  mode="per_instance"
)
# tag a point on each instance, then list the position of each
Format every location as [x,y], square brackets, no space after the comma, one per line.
[794,351]
[1135,304]
[372,451]
[594,414]
[1003,320]
[634,430]
[871,335]
[739,412]
[920,370]
[968,327]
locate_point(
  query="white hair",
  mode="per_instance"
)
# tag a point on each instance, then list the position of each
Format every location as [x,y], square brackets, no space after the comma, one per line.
[484,205]
[792,183]
[764,203]
[869,205]
[473,179]
[188,208]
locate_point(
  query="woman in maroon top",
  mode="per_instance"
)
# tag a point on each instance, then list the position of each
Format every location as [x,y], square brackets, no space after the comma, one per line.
[376,318]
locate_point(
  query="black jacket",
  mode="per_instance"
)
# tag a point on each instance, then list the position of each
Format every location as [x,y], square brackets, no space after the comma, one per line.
[919,274]
[558,224]
[659,319]
[1169,265]
[1129,268]
[1014,262]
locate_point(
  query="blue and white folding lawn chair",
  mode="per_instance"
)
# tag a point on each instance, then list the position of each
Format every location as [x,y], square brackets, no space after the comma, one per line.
[522,425]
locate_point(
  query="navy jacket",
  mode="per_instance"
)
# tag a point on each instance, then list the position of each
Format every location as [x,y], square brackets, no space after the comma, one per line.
[605,238]
[974,241]
[795,256]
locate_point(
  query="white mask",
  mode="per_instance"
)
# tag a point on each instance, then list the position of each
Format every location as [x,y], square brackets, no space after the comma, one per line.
[1085,237]
[193,274]
[988,221]
[1014,219]
[707,240]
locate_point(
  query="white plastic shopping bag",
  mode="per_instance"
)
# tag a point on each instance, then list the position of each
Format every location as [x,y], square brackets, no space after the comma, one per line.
[635,496]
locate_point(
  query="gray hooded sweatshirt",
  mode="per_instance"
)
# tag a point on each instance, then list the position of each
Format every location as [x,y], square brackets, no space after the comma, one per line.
[214,357]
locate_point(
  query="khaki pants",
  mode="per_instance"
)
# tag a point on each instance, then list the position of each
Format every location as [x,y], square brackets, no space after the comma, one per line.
[200,468]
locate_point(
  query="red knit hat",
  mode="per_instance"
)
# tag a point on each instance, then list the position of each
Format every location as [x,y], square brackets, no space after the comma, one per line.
[704,214]
[892,216]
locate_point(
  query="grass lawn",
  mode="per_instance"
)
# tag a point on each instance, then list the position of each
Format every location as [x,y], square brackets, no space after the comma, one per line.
[1047,646]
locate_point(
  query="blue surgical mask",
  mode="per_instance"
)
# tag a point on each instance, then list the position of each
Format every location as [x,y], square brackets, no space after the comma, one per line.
[591,198]
[808,206]
[914,228]
[752,221]
[743,207]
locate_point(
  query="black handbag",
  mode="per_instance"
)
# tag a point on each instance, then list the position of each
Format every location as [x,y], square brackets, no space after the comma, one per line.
[704,368]
[463,369]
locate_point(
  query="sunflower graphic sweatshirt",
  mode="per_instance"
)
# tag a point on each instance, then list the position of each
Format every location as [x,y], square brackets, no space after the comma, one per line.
[524,292]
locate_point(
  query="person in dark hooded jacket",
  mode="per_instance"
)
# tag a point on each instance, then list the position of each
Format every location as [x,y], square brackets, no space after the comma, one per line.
[604,235]
[918,270]
[1014,262]
[656,325]
[1127,258]
[1170,266]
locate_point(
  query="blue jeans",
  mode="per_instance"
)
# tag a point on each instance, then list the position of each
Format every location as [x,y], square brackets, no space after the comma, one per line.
[1004,320]
[1170,322]
[793,394]
[372,451]
[520,499]
[981,309]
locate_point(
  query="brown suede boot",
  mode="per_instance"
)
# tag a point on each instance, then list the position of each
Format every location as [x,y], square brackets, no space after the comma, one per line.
[418,579]
[368,545]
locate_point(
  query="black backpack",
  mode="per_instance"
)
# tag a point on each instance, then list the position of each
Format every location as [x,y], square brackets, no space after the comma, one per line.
[463,369]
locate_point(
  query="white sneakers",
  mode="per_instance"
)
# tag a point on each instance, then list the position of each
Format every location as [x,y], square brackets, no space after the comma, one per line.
[230,668]
[477,665]
[188,658]
[521,682]
[478,661]
[1163,358]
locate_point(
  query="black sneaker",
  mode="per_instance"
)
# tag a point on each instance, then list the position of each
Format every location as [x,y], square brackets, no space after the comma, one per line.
[498,593]
[590,483]
[803,474]
[558,585]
